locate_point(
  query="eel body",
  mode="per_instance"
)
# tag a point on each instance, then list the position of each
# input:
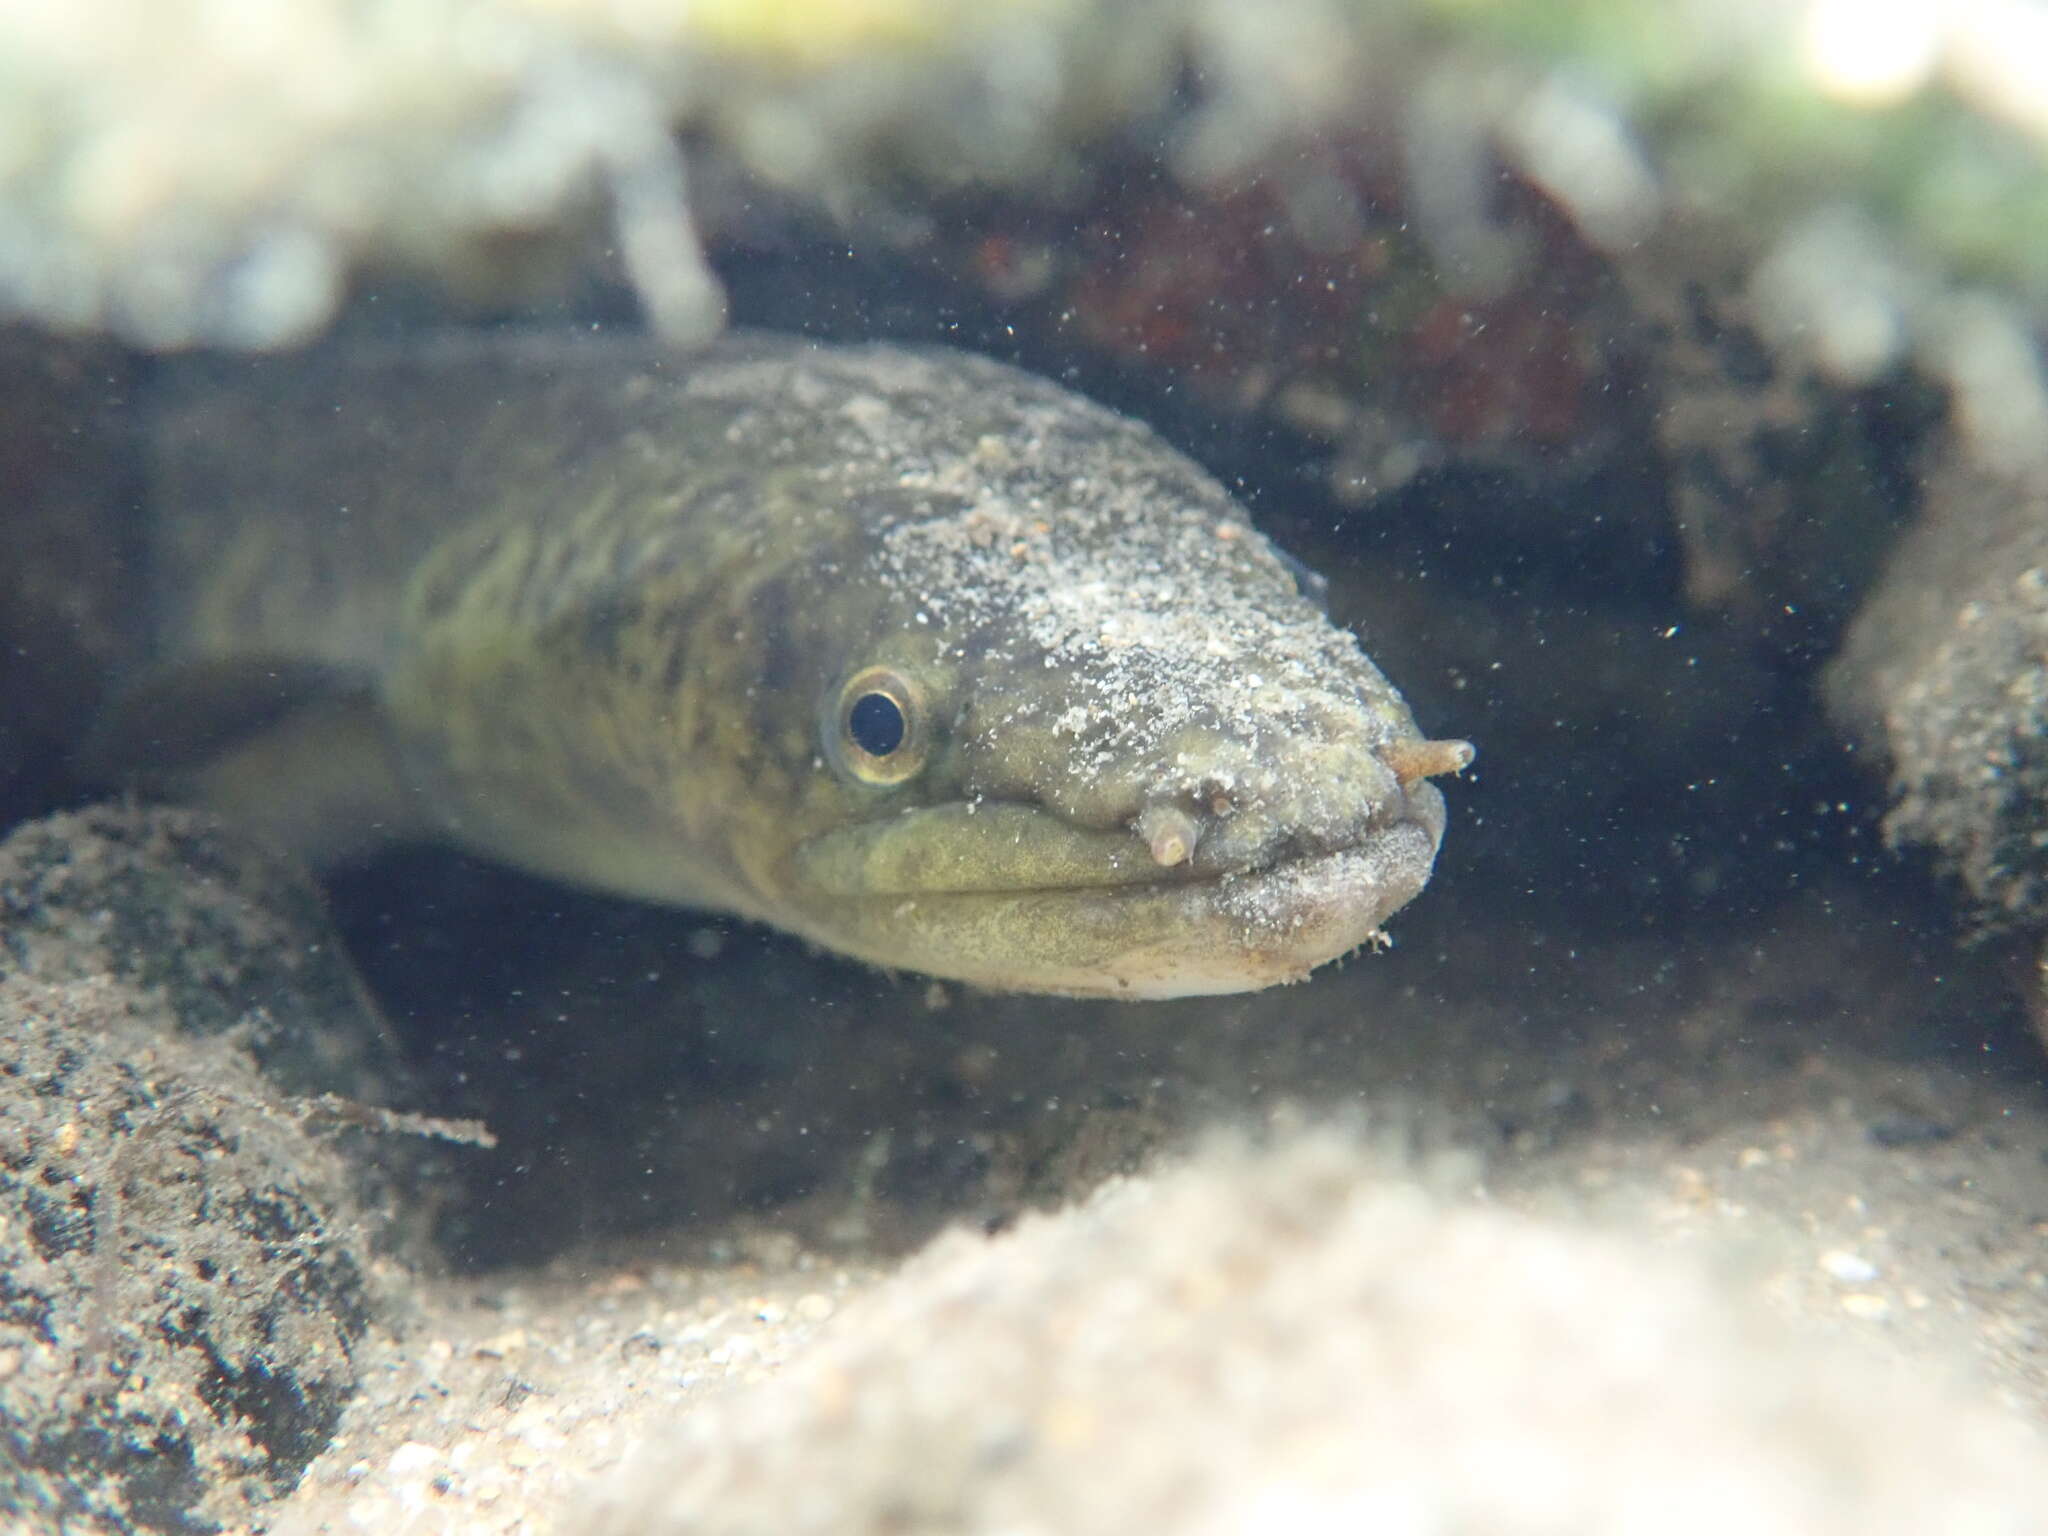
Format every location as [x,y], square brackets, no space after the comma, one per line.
[906,651]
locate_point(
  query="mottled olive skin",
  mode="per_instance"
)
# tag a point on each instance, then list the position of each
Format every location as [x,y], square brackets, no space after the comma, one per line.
[603,600]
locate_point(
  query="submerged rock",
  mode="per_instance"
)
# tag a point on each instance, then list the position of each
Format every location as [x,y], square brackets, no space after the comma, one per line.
[184,1263]
[183,1278]
[1308,1340]
[224,938]
[1945,674]
[232,198]
[1944,679]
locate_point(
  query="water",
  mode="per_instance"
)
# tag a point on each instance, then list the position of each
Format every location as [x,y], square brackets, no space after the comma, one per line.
[1586,493]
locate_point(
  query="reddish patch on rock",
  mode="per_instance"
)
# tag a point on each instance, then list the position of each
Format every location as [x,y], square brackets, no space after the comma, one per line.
[1309,272]
[1485,372]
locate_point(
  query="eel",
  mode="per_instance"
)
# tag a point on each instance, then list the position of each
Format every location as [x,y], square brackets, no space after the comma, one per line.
[906,651]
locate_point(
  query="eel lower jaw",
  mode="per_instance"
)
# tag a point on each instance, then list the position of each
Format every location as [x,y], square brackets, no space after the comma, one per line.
[1245,932]
[1160,936]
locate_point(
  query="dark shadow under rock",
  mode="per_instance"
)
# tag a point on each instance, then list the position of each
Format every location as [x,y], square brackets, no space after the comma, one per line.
[68,492]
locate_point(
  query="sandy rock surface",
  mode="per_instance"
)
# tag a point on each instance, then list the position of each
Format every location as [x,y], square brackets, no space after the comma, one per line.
[186,1277]
[225,938]
[1300,1340]
[1946,674]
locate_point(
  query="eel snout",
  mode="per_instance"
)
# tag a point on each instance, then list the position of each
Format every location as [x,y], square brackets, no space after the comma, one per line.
[1171,833]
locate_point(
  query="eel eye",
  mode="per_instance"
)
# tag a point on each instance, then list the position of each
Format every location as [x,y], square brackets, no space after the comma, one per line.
[876,724]
[881,730]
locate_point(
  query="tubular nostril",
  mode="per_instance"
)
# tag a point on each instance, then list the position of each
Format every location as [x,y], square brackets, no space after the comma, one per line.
[1169,832]
[1412,759]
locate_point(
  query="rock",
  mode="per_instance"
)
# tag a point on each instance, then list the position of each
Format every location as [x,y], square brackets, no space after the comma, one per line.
[183,1262]
[183,1280]
[181,908]
[232,199]
[1944,677]
[1304,1339]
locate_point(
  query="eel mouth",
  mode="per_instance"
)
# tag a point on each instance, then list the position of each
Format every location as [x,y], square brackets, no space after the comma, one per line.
[1012,898]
